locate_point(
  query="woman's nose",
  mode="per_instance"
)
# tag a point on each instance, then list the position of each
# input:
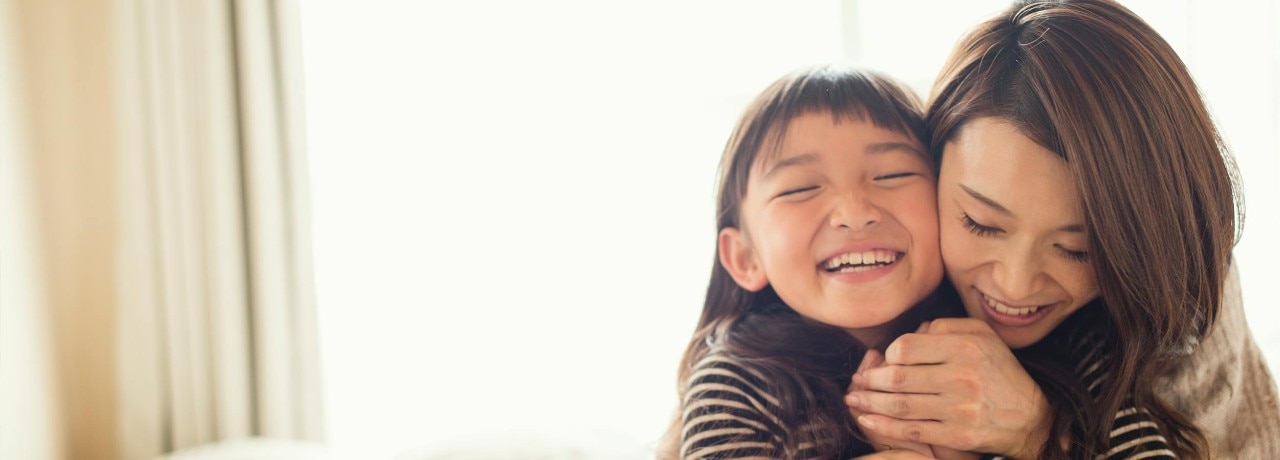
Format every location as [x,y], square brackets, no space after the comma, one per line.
[1018,275]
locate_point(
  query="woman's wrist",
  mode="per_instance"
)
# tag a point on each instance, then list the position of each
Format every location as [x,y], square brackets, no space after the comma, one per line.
[1040,430]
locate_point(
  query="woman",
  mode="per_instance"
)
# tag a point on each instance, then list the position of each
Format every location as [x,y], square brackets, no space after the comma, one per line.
[1086,202]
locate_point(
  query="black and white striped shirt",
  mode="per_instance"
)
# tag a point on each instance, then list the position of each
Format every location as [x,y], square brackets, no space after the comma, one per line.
[1134,433]
[728,413]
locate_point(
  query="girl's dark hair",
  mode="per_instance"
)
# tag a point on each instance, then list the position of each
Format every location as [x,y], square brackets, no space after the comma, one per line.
[1092,82]
[806,365]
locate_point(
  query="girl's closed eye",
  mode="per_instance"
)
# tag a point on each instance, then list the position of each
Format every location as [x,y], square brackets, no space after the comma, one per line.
[797,191]
[895,175]
[978,229]
[899,178]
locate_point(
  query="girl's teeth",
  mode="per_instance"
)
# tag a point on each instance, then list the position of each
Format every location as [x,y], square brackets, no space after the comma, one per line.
[1001,308]
[860,261]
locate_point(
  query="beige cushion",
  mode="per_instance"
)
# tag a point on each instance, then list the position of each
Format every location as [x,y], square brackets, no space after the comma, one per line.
[1226,388]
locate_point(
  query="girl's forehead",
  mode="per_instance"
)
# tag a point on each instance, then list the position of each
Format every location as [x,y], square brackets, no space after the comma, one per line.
[807,127]
[786,128]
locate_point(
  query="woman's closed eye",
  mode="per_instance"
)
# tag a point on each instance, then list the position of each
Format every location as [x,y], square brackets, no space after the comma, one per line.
[1074,256]
[978,229]
[986,230]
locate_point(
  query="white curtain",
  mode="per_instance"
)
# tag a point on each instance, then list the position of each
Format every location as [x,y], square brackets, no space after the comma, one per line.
[155,227]
[29,410]
[218,328]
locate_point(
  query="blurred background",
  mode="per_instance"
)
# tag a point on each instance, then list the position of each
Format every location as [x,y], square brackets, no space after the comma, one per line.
[402,229]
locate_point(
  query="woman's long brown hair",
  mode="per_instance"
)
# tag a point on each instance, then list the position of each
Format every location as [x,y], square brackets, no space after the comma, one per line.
[1092,82]
[806,365]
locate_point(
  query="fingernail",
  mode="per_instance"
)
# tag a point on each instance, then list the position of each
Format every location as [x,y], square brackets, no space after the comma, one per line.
[853,400]
[857,379]
[866,421]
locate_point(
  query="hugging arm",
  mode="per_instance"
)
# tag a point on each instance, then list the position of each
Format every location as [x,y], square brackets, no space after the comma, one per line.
[958,386]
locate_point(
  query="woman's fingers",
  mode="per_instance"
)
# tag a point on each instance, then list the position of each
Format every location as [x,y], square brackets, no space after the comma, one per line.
[904,406]
[959,326]
[942,348]
[870,360]
[931,379]
[885,443]
[944,453]
[920,431]
[924,328]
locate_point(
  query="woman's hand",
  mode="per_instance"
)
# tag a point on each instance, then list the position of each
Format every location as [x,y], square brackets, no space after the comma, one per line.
[954,383]
[871,360]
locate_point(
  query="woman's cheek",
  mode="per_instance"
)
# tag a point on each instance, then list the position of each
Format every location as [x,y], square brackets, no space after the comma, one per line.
[954,243]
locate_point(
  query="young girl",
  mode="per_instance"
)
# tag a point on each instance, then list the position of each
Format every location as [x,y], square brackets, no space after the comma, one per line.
[828,237]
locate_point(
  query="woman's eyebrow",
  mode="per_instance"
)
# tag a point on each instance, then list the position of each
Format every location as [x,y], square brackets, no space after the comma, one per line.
[988,201]
[1070,228]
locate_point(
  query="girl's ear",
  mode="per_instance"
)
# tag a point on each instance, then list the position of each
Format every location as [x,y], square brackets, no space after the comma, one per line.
[737,257]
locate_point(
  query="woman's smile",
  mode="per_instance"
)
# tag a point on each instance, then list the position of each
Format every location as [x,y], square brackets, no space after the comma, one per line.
[1012,316]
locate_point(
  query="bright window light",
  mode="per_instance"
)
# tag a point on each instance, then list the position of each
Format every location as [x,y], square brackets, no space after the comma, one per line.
[513,206]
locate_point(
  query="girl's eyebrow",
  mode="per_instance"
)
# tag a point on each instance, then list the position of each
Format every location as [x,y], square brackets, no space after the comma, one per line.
[804,158]
[812,157]
[881,147]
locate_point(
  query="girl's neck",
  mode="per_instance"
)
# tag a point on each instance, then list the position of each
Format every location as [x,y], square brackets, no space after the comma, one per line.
[877,337]
[932,307]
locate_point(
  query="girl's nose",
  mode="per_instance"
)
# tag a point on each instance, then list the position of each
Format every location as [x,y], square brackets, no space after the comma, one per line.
[855,212]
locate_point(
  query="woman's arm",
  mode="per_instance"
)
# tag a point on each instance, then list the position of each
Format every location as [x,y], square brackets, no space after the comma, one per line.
[955,364]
